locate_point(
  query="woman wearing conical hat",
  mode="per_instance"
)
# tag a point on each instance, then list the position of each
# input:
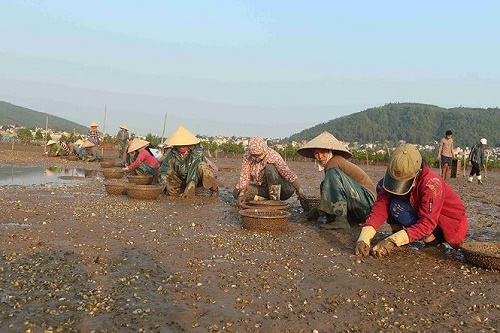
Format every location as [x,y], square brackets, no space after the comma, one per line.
[186,167]
[144,162]
[93,136]
[347,192]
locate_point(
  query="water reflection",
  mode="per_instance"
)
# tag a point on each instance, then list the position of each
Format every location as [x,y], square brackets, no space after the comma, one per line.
[35,175]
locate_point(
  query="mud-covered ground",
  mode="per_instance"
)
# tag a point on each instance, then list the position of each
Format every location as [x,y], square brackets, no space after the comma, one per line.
[75,259]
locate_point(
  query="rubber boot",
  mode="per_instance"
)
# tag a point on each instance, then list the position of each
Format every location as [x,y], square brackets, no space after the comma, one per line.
[470,179]
[479,179]
[274,192]
[340,223]
[313,214]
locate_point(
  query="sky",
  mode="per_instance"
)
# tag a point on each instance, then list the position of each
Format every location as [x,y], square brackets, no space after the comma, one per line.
[244,68]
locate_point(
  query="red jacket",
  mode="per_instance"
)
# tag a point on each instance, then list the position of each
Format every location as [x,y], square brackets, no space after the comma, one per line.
[436,203]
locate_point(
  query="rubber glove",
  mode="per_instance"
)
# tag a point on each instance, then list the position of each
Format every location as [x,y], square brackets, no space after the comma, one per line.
[300,193]
[189,191]
[385,246]
[364,240]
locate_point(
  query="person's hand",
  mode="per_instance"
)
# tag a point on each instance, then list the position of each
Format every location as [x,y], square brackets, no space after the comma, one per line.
[383,248]
[242,197]
[362,249]
[300,193]
[364,240]
[189,191]
[387,245]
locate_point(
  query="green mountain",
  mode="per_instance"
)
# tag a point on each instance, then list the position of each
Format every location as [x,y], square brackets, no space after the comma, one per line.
[413,123]
[11,114]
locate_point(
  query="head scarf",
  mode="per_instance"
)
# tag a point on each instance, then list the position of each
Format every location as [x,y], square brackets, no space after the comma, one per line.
[257,146]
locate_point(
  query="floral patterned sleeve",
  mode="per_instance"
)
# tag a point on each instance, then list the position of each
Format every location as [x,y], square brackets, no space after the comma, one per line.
[244,175]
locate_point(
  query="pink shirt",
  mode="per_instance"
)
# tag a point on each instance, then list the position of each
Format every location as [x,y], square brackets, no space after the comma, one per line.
[146,157]
[446,146]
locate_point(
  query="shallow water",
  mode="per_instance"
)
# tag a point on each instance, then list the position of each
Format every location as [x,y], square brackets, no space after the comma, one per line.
[36,175]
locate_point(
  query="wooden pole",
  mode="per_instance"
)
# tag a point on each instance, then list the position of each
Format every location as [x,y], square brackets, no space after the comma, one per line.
[46,131]
[103,129]
[164,124]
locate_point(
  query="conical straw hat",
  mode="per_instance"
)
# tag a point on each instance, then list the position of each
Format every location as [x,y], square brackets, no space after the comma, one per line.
[78,142]
[88,144]
[137,144]
[51,142]
[181,137]
[94,124]
[124,127]
[324,141]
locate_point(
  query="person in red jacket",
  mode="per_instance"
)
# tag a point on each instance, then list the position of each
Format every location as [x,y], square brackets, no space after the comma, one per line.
[144,162]
[418,205]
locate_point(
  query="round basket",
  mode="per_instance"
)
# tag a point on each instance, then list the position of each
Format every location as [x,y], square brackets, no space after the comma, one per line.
[116,188]
[309,202]
[268,204]
[107,164]
[140,179]
[482,254]
[113,173]
[144,192]
[262,219]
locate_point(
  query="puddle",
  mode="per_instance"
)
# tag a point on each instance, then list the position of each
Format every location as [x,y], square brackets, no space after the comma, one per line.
[15,224]
[36,175]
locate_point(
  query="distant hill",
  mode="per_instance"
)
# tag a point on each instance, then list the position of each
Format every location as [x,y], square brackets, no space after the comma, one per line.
[412,122]
[11,114]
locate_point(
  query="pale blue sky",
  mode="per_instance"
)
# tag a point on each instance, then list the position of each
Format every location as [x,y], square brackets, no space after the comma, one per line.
[244,68]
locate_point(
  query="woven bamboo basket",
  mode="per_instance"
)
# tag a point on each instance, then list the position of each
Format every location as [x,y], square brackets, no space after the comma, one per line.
[309,202]
[107,164]
[115,187]
[482,254]
[140,179]
[262,219]
[144,192]
[113,173]
[268,204]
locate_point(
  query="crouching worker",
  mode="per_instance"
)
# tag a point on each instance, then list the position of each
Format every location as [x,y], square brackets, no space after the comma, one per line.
[185,166]
[417,204]
[347,192]
[143,160]
[265,174]
[55,149]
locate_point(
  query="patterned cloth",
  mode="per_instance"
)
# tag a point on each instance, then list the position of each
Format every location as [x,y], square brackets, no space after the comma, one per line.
[252,168]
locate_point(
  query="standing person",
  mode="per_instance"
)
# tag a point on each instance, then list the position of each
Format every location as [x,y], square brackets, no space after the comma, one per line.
[185,166]
[347,192]
[145,163]
[417,204]
[446,154]
[265,174]
[93,136]
[122,138]
[476,160]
